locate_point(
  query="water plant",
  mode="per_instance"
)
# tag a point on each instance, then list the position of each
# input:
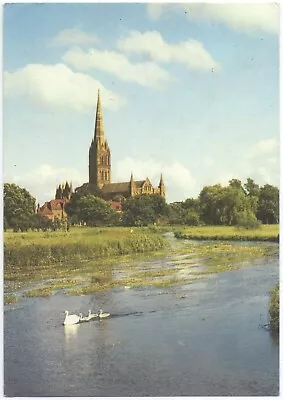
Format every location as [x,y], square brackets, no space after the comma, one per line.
[10,298]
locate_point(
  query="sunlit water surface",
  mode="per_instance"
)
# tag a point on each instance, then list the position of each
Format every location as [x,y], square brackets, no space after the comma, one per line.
[203,338]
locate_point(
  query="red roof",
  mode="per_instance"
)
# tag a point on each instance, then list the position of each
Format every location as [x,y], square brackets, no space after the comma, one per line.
[115,205]
[45,211]
[56,204]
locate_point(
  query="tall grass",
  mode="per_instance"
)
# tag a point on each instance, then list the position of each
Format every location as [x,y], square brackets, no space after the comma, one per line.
[274,309]
[266,233]
[37,249]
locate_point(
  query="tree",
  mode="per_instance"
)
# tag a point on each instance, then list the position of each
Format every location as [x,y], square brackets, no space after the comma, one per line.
[19,206]
[191,204]
[39,222]
[91,210]
[176,213]
[235,183]
[247,219]
[268,204]
[118,197]
[210,205]
[184,212]
[251,188]
[192,218]
[144,209]
[221,205]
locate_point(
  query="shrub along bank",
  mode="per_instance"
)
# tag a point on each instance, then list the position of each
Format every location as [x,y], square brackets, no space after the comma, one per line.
[274,309]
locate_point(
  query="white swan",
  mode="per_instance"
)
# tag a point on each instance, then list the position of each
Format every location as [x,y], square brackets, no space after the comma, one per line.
[90,315]
[82,318]
[71,319]
[102,314]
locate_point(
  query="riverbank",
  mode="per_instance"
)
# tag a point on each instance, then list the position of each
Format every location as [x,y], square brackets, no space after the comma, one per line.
[266,233]
[81,243]
[274,309]
[46,262]
[151,261]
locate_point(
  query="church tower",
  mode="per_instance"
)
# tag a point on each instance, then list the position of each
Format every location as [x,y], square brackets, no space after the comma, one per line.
[161,186]
[99,153]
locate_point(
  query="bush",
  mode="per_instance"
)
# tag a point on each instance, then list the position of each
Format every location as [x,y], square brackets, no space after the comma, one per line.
[192,218]
[274,309]
[247,219]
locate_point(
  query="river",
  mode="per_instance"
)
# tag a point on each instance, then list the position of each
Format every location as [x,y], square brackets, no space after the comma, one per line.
[203,338]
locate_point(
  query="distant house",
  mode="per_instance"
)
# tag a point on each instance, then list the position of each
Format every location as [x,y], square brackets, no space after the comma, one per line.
[53,209]
[115,205]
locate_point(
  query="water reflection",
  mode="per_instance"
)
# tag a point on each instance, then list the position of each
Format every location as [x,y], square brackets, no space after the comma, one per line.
[71,332]
[197,339]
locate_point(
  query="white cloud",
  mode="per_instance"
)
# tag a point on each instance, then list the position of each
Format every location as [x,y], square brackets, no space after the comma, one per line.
[73,37]
[263,162]
[242,17]
[143,73]
[177,178]
[57,86]
[191,53]
[42,181]
[268,147]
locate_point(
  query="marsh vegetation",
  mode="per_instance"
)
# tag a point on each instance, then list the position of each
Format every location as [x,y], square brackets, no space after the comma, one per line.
[274,309]
[88,260]
[265,233]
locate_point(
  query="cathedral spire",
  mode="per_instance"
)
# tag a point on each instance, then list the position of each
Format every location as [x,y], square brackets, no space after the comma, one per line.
[99,127]
[161,186]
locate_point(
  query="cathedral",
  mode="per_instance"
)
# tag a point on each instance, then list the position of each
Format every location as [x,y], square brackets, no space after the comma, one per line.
[100,168]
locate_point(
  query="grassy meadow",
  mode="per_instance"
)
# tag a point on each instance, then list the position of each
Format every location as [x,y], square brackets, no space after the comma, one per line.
[266,233]
[86,260]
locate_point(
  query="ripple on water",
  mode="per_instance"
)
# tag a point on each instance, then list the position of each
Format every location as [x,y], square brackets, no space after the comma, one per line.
[200,338]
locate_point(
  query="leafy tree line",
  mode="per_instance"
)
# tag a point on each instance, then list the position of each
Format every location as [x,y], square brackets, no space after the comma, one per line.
[19,211]
[240,204]
[245,205]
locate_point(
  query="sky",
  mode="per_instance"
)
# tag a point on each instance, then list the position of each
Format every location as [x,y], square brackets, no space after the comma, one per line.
[187,90]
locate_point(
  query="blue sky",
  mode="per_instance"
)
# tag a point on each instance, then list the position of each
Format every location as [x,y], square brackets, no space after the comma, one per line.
[189,90]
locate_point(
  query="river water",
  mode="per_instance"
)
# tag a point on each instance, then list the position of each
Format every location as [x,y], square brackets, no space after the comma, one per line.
[204,338]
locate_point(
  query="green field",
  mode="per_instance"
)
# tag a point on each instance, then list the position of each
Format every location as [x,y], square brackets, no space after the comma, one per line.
[266,233]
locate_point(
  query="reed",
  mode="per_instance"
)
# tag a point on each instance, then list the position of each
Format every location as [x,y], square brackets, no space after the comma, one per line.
[266,233]
[274,309]
[37,249]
